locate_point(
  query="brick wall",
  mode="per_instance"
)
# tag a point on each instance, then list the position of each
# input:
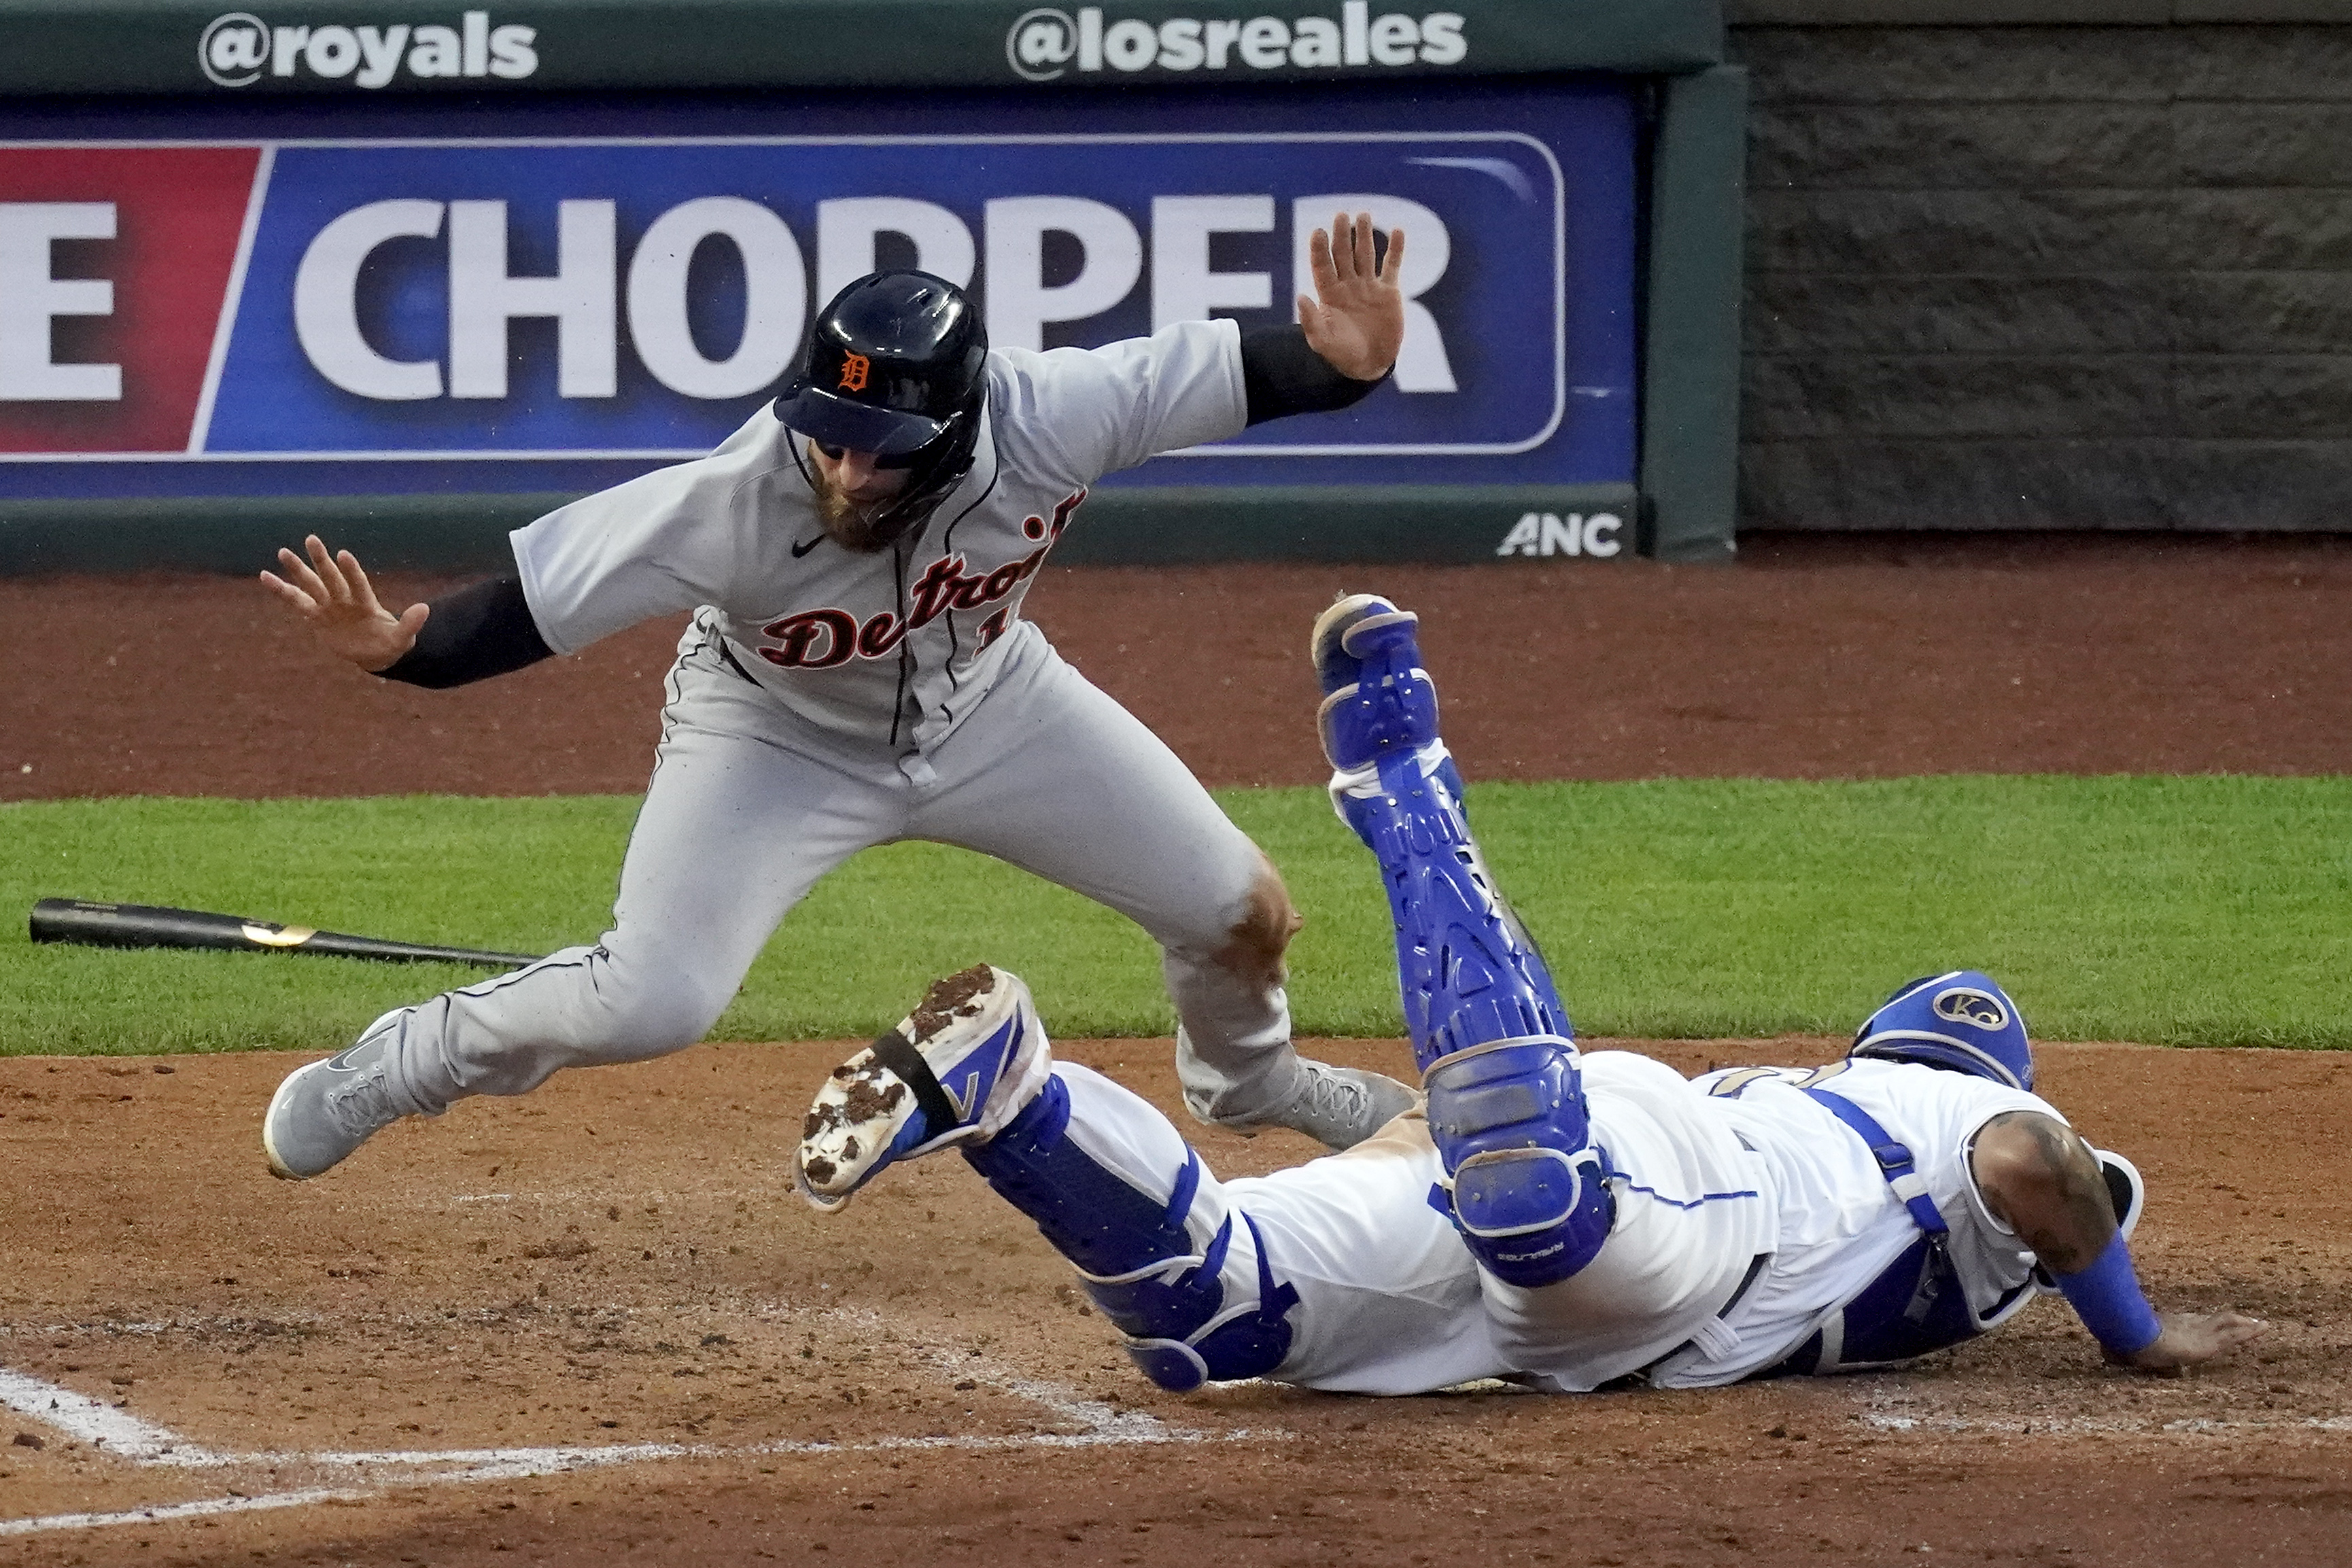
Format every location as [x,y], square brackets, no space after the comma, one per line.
[2048,276]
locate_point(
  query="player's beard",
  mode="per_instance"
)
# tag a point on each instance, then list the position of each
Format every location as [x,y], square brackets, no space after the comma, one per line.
[851,524]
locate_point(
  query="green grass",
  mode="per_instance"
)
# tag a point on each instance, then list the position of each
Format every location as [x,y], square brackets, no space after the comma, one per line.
[2207,910]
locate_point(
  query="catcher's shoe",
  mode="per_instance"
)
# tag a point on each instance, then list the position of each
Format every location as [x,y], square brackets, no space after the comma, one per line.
[1377,700]
[1340,1107]
[1336,666]
[955,1071]
[325,1111]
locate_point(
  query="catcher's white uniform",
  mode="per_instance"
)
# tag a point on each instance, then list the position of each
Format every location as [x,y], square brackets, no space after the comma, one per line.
[1742,1226]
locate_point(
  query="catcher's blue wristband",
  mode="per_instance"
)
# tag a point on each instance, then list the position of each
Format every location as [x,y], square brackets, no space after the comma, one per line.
[2107,1298]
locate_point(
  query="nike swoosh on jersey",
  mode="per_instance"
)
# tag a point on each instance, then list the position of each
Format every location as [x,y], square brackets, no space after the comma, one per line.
[801,550]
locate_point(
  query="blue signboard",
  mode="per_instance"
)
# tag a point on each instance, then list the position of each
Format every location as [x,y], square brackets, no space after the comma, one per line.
[547,300]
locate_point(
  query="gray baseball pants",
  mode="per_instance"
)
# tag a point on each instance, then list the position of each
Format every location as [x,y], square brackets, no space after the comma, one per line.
[750,804]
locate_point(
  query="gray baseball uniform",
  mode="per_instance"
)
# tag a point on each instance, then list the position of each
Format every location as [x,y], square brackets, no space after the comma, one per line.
[825,700]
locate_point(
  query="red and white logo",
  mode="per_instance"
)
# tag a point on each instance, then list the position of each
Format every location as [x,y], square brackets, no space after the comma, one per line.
[114,269]
[822,639]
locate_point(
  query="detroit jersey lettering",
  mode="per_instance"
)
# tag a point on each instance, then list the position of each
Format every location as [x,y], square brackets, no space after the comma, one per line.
[820,638]
[898,645]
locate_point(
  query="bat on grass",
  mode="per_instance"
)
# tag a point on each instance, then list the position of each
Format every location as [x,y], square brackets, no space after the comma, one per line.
[142,925]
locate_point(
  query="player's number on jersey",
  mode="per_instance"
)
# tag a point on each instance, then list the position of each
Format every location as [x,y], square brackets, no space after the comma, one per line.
[1728,1086]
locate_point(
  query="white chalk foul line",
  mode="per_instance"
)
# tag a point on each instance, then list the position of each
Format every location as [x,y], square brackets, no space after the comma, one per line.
[2095,1426]
[121,1434]
[93,1421]
[443,1467]
[492,1464]
[1890,1411]
[1102,1422]
[169,1512]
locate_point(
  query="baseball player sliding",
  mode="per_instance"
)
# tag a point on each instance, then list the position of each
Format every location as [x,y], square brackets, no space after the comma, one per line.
[858,672]
[1567,1220]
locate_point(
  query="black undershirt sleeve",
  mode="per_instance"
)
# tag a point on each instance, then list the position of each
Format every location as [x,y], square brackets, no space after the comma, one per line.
[481,630]
[1282,375]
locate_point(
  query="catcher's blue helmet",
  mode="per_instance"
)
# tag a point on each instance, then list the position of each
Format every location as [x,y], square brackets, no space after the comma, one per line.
[1959,1021]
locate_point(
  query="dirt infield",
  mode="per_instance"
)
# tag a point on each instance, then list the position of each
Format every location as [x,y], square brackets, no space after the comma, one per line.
[594,1325]
[700,1369]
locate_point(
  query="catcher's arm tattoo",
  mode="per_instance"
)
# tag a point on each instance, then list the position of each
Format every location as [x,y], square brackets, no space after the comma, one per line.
[2040,1179]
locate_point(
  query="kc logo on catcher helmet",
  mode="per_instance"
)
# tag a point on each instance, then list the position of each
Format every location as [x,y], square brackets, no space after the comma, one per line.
[854,369]
[1962,1004]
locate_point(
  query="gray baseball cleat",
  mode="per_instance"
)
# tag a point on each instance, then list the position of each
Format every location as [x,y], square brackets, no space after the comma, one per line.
[1338,1107]
[325,1111]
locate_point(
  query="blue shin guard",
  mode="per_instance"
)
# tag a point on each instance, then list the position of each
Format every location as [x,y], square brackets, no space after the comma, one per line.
[1134,1256]
[1528,1187]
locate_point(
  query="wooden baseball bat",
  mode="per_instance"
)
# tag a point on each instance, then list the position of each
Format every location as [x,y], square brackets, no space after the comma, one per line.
[144,925]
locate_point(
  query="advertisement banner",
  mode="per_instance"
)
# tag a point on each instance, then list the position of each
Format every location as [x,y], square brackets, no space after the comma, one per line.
[557,307]
[355,50]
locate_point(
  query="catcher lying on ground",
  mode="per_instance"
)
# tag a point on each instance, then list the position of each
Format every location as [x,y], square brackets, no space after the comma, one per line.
[1567,1220]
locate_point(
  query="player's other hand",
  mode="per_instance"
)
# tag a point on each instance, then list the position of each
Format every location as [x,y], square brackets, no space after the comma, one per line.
[2191,1339]
[1356,319]
[334,594]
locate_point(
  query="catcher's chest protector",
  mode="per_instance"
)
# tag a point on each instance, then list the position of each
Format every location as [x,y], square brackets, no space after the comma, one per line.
[1916,1304]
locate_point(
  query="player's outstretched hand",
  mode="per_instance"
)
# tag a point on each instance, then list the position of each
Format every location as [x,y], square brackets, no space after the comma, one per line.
[334,594]
[1357,319]
[2191,1339]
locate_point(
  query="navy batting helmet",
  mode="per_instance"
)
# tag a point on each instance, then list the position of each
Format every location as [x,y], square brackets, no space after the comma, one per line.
[895,366]
[1959,1021]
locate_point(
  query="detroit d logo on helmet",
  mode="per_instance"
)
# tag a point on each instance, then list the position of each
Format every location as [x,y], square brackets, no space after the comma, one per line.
[854,370]
[1963,1003]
